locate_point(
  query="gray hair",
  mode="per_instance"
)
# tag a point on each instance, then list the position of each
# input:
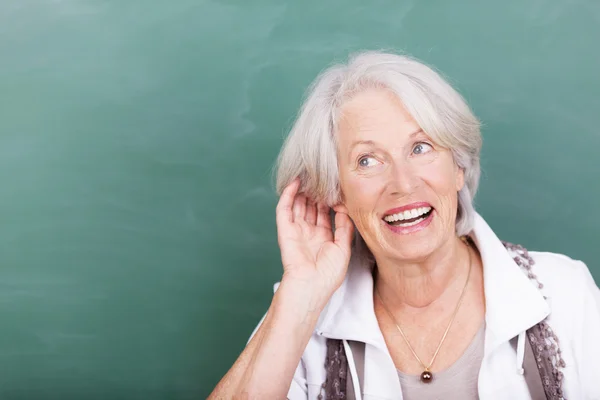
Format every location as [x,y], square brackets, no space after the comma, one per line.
[310,150]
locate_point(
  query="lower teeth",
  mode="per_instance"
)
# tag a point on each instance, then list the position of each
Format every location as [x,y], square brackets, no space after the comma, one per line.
[412,223]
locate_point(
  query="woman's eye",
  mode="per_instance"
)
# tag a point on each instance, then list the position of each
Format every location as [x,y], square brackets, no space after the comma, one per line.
[422,148]
[366,162]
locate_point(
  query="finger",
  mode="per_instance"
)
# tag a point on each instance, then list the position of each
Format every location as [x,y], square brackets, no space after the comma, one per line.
[299,208]
[283,212]
[323,217]
[311,212]
[343,230]
[340,208]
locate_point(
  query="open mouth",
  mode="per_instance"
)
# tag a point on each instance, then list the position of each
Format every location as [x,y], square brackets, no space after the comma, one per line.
[408,217]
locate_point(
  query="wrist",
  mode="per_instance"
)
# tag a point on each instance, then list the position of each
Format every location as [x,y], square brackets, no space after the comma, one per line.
[300,300]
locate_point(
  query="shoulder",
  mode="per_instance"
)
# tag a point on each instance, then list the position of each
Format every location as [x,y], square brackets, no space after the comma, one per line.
[560,275]
[557,273]
[574,300]
[568,286]
[562,278]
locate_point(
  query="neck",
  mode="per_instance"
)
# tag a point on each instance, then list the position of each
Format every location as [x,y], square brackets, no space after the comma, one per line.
[422,285]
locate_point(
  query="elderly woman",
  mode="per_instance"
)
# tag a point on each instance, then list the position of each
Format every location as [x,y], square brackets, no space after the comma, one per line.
[410,295]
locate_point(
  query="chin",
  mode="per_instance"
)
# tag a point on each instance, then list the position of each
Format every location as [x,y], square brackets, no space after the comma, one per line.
[413,252]
[415,242]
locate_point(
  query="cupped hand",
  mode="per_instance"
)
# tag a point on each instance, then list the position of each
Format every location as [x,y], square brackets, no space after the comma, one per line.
[311,251]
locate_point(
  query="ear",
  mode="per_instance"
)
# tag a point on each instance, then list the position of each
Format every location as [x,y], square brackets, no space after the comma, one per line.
[460,179]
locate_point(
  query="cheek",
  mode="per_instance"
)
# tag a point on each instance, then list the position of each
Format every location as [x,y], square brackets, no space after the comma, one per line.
[443,176]
[361,200]
[360,197]
[442,179]
[445,185]
[360,193]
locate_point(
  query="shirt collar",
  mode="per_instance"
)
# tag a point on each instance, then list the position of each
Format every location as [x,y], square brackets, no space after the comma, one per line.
[513,303]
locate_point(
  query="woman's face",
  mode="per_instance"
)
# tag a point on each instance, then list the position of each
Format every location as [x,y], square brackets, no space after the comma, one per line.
[399,187]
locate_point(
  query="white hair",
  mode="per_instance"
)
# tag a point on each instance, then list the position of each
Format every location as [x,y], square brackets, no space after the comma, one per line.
[310,150]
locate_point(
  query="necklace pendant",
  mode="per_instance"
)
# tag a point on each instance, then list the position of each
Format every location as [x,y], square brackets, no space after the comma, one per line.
[426,376]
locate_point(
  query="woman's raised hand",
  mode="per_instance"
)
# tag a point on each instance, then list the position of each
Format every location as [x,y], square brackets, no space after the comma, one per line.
[310,251]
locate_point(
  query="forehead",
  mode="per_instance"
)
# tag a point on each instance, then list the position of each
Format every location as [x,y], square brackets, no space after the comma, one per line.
[374,114]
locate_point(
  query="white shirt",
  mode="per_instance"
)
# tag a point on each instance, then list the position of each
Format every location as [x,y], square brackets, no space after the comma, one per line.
[513,305]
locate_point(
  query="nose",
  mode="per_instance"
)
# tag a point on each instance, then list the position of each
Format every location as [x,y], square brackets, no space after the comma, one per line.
[402,180]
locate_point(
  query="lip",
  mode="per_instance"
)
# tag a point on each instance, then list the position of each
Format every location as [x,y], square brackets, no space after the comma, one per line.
[406,207]
[405,230]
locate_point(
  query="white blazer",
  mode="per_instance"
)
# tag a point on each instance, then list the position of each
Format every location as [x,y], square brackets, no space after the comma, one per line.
[513,305]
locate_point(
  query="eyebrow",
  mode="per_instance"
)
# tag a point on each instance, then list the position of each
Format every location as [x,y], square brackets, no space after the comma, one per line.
[372,143]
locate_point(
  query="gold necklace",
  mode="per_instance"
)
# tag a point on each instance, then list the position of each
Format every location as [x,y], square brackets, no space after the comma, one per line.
[427,375]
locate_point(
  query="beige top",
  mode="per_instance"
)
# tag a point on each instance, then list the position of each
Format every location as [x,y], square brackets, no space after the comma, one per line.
[459,381]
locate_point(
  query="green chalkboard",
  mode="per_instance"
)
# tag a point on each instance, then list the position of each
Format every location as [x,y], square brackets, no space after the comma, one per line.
[137,233]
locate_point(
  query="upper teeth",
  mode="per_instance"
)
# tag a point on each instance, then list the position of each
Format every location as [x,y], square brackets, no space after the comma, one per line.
[407,214]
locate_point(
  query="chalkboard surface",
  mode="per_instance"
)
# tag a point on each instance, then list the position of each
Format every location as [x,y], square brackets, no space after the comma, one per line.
[137,233]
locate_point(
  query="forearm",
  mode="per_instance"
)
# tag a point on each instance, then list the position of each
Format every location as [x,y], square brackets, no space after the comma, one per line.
[266,367]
